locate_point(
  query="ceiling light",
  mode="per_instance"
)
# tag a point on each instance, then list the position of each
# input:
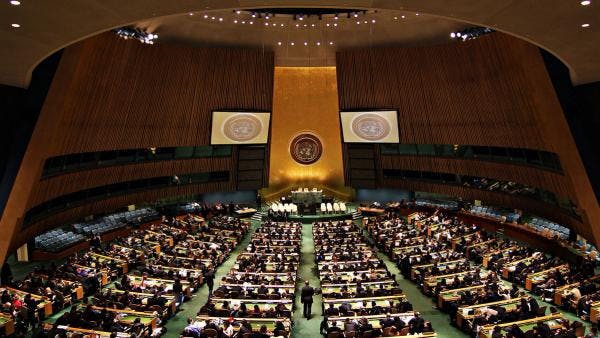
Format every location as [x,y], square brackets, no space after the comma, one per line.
[318,43]
[335,17]
[453,35]
[331,42]
[417,14]
[274,24]
[305,43]
[291,43]
[585,25]
[266,23]
[279,43]
[358,22]
[297,25]
[15,3]
[15,25]
[254,15]
[583,3]
[356,15]
[190,14]
[404,16]
[281,25]
[395,18]
[335,24]
[243,22]
[312,25]
[220,19]
[212,18]
[237,12]
[235,21]
[366,21]
[373,21]
[327,25]
[251,22]
[205,16]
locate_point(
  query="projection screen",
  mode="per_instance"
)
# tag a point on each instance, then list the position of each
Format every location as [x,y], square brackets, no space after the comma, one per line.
[230,127]
[378,126]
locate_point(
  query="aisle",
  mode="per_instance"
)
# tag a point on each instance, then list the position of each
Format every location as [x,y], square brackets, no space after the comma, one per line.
[307,271]
[189,309]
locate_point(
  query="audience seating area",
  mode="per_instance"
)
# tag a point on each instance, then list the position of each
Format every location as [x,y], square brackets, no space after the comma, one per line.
[115,221]
[57,240]
[494,213]
[432,251]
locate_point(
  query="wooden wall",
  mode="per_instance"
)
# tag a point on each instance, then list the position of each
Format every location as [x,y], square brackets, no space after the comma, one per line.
[111,94]
[492,91]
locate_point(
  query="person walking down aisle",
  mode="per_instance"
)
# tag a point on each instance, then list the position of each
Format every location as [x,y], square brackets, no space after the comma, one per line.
[306,298]
[209,277]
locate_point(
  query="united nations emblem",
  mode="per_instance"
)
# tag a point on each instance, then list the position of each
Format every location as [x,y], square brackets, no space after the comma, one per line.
[242,127]
[370,127]
[306,148]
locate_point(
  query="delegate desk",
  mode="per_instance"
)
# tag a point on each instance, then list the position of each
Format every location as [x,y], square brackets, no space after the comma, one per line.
[510,266]
[170,306]
[127,317]
[415,272]
[533,279]
[466,237]
[524,325]
[245,212]
[476,245]
[560,291]
[85,332]
[595,312]
[263,304]
[466,313]
[371,211]
[387,284]
[453,295]
[431,281]
[117,261]
[375,321]
[168,283]
[379,301]
[255,322]
[101,274]
[503,252]
[7,325]
[44,304]
[159,235]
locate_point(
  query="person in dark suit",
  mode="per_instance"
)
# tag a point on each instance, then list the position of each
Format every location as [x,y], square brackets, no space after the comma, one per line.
[306,297]
[497,333]
[533,306]
[416,324]
[542,330]
[209,277]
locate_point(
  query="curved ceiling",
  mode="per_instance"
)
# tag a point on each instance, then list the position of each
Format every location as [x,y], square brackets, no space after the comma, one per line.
[307,40]
[47,26]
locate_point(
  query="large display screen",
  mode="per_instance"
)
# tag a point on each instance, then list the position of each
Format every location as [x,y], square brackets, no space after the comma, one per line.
[379,126]
[240,127]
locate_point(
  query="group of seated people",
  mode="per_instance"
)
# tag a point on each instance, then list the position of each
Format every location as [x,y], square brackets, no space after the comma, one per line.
[361,298]
[258,289]
[477,299]
[153,269]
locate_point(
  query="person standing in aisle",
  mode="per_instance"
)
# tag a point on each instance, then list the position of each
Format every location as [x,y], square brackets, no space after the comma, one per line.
[210,280]
[306,297]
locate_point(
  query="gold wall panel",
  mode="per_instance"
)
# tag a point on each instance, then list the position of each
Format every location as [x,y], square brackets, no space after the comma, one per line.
[305,100]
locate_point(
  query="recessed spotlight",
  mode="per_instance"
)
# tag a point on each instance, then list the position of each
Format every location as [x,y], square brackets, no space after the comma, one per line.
[251,22]
[453,35]
[243,22]
[212,18]
[356,15]
[237,12]
[291,43]
[266,23]
[235,21]
[395,18]
[312,25]
[585,25]
[305,43]
[15,3]
[583,3]
[205,16]
[358,22]
[366,21]
[279,43]
[417,14]
[281,25]
[335,17]
[297,25]
[331,42]
[327,25]
[190,14]
[373,21]
[220,19]
[404,17]
[274,24]
[15,25]
[318,43]
[335,24]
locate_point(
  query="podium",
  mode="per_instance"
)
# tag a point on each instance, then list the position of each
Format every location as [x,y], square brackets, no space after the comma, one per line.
[307,197]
